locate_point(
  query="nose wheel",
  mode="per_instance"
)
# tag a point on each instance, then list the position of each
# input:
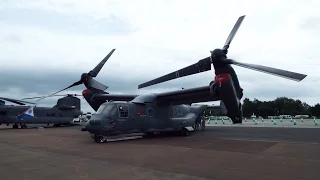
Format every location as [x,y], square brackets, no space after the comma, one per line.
[98,139]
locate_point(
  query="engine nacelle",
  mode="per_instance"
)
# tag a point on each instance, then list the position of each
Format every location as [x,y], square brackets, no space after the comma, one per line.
[229,102]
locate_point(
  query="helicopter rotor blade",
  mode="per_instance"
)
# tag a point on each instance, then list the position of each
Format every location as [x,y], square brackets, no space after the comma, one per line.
[97,85]
[201,66]
[95,71]
[87,78]
[273,71]
[20,102]
[72,85]
[233,33]
[36,97]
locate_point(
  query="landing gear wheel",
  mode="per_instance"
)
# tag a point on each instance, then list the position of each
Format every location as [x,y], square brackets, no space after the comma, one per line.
[15,126]
[23,126]
[184,132]
[98,139]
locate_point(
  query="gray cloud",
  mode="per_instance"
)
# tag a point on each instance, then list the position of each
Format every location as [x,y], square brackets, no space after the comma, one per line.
[81,24]
[311,24]
[67,37]
[11,39]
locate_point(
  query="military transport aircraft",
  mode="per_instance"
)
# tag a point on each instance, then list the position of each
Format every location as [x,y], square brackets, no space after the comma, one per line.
[123,114]
[66,109]
[146,114]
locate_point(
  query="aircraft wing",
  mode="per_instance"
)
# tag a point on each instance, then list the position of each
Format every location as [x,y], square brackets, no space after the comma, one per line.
[115,97]
[186,96]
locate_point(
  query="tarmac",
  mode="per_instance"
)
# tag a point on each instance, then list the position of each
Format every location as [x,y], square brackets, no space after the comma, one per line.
[219,152]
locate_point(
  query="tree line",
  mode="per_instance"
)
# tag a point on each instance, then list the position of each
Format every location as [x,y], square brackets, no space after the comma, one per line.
[279,106]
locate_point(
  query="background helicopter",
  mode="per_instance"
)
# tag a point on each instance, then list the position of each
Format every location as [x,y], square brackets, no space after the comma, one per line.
[66,109]
[226,86]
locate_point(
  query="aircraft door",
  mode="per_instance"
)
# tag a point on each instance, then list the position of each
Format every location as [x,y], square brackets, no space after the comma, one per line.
[123,115]
[151,122]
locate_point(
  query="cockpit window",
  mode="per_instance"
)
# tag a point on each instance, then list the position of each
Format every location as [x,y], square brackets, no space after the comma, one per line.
[101,108]
[110,109]
[107,108]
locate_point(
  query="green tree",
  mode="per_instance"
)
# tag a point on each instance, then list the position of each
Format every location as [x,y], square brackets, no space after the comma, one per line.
[279,106]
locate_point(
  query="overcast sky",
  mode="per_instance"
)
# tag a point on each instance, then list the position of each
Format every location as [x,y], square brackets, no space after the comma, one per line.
[46,45]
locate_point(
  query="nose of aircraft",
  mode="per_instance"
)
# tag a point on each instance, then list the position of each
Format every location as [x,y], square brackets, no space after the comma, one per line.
[94,124]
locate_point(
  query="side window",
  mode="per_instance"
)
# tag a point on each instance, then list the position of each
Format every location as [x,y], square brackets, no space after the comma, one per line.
[150,112]
[123,111]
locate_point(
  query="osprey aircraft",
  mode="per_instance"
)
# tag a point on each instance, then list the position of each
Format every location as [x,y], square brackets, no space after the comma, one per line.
[168,111]
[62,113]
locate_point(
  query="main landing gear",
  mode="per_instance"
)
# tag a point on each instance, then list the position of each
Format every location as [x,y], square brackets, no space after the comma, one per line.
[121,137]
[16,126]
[23,126]
[184,132]
[98,138]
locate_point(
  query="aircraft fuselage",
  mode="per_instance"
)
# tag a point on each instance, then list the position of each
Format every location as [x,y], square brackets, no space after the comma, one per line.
[127,117]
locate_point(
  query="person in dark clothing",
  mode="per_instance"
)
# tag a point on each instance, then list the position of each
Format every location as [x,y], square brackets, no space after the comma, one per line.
[203,123]
[197,123]
[223,65]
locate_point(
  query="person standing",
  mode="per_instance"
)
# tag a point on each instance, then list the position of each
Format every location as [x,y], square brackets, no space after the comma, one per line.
[203,124]
[197,123]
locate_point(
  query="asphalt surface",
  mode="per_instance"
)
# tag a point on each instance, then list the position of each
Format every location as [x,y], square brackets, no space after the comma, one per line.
[217,153]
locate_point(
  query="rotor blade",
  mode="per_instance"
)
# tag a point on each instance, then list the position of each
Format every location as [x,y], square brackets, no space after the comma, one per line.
[74,84]
[94,72]
[36,97]
[200,66]
[269,70]
[20,102]
[33,97]
[233,33]
[97,85]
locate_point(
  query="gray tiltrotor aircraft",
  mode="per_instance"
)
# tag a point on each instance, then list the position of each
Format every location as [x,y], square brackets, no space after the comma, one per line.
[168,111]
[66,109]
